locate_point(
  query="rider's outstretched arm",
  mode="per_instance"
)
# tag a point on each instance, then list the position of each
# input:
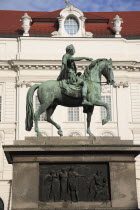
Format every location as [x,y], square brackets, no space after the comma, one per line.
[80,58]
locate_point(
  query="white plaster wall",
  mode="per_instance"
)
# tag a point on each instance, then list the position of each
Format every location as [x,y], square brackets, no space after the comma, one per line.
[5,193]
[53,48]
[8,48]
[45,48]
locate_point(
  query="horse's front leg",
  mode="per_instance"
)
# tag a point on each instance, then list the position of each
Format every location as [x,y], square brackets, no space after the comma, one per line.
[89,114]
[106,106]
[104,121]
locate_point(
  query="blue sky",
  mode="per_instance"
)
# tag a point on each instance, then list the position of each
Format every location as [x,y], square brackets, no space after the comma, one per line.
[84,5]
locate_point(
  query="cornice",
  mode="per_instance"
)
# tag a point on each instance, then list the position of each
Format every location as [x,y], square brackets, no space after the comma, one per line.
[16,65]
[4,65]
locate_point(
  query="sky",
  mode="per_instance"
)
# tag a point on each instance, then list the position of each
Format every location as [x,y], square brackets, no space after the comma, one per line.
[84,5]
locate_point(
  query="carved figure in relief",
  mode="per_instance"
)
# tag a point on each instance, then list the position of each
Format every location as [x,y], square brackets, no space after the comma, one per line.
[55,189]
[48,184]
[98,186]
[63,184]
[73,184]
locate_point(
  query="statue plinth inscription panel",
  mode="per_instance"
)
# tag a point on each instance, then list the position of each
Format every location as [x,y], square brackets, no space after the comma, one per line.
[74,182]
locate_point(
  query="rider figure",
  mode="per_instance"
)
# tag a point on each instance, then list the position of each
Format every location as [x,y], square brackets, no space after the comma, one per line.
[68,70]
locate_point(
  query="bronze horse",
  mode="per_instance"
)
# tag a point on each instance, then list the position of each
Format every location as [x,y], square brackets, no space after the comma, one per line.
[50,95]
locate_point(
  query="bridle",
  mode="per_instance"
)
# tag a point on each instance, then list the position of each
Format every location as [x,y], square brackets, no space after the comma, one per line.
[104,83]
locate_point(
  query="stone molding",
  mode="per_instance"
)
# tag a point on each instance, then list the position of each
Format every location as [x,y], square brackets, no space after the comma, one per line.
[129,66]
[79,16]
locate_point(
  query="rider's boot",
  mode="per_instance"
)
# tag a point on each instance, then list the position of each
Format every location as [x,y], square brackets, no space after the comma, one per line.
[84,95]
[86,103]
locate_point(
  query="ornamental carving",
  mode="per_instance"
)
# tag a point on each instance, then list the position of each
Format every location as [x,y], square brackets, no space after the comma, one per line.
[26,20]
[121,84]
[117,21]
[23,83]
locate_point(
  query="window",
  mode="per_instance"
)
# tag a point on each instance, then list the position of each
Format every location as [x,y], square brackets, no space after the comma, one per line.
[73,114]
[106,99]
[71,26]
[37,104]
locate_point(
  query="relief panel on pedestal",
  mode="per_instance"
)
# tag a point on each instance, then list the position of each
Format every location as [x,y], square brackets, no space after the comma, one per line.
[74,182]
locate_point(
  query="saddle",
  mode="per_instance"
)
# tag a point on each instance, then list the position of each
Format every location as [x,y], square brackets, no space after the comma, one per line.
[71,90]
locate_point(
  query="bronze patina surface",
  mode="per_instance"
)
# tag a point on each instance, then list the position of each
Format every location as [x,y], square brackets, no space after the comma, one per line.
[65,91]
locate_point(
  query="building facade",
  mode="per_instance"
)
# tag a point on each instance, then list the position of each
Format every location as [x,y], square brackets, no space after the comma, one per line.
[31,51]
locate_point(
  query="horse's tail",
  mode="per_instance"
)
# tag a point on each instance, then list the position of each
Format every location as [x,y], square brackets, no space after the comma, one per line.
[29,108]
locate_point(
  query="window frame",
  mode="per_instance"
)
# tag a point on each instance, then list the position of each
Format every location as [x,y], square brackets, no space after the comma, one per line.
[73,112]
[76,21]
[108,94]
[103,110]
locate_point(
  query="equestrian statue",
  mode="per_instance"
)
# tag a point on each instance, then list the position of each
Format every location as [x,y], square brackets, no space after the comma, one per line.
[72,89]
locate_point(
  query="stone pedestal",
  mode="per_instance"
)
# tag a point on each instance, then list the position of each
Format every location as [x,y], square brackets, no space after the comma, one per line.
[104,166]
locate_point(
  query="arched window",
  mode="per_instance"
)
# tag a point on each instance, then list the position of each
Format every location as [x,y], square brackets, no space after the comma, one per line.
[75,134]
[1,204]
[71,25]
[107,133]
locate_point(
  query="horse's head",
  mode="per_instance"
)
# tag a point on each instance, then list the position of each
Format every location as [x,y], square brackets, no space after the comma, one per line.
[103,67]
[107,71]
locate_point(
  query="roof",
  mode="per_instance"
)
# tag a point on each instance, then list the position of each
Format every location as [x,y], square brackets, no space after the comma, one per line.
[44,23]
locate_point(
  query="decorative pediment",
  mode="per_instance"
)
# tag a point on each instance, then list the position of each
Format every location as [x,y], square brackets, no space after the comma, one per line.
[71,23]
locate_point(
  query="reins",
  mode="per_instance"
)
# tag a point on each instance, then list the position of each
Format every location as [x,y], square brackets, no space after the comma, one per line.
[105,83]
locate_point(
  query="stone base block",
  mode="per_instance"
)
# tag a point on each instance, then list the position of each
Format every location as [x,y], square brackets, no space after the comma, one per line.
[102,167]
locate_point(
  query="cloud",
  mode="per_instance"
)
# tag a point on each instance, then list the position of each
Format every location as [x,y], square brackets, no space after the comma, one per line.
[88,5]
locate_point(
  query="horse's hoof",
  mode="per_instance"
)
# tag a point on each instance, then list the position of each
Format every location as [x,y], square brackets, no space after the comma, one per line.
[89,133]
[104,121]
[60,133]
[45,118]
[39,134]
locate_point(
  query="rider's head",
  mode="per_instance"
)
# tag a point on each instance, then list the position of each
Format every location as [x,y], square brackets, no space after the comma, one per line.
[70,49]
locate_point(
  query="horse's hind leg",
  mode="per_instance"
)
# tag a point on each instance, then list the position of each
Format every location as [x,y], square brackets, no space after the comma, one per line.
[49,113]
[37,114]
[89,114]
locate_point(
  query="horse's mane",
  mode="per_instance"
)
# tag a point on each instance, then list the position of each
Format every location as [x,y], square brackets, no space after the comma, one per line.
[92,66]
